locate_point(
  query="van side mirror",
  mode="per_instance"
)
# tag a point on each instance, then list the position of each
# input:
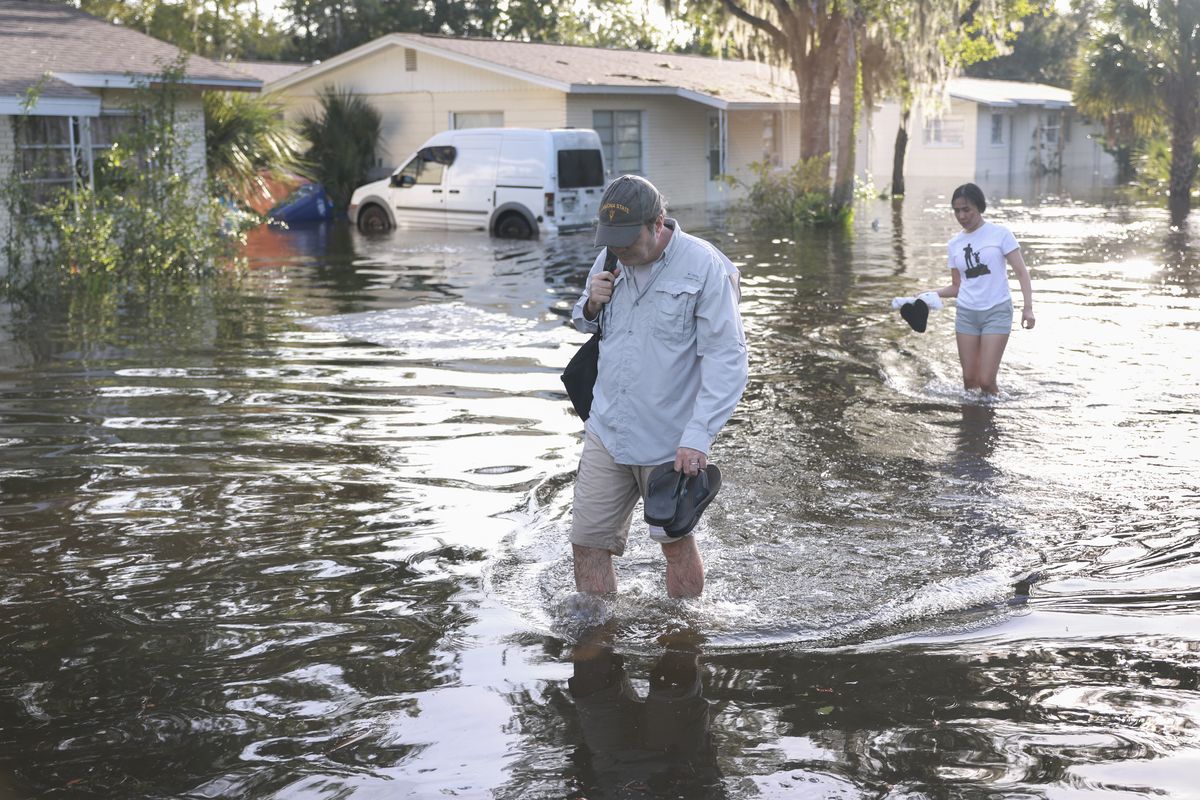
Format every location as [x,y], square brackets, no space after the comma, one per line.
[403,181]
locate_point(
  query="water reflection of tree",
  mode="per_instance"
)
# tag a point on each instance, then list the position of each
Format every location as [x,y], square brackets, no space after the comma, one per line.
[1181,261]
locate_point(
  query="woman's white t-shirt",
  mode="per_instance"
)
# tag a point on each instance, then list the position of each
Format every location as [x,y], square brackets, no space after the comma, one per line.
[979,258]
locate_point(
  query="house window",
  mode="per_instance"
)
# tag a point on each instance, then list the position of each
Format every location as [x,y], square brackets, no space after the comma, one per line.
[476,119]
[1050,131]
[770,138]
[621,137]
[943,132]
[61,152]
[47,153]
[997,129]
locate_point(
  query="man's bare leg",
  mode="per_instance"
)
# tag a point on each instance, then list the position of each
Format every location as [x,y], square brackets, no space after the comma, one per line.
[685,568]
[593,570]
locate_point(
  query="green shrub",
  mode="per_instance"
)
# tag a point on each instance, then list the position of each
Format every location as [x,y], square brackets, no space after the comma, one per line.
[148,224]
[246,137]
[784,199]
[342,142]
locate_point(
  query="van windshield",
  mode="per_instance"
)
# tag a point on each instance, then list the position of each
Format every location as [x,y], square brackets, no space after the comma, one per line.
[579,168]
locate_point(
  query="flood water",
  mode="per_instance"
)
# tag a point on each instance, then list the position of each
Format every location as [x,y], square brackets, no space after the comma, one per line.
[310,542]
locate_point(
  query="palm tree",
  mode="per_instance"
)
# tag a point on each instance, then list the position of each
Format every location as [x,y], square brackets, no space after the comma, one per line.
[247,139]
[1142,67]
[342,141]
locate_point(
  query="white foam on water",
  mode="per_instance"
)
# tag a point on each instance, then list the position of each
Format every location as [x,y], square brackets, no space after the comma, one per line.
[447,328]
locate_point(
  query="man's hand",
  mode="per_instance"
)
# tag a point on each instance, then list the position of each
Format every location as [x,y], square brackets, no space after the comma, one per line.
[600,292]
[690,461]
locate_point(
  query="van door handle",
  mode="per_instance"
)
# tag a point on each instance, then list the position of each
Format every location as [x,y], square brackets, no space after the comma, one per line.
[437,191]
[454,191]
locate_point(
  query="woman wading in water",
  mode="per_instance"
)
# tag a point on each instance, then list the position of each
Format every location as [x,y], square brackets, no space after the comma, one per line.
[977,258]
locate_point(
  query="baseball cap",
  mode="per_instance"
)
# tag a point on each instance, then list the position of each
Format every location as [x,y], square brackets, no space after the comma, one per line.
[629,202]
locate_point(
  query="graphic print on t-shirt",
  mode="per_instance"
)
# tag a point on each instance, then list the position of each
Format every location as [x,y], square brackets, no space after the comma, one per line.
[975,267]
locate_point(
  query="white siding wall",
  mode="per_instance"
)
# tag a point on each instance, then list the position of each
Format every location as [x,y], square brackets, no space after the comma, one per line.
[674,139]
[877,145]
[189,122]
[747,146]
[993,160]
[415,105]
[958,162]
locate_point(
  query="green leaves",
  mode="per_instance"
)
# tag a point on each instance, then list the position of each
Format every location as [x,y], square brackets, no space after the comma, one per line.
[246,137]
[342,139]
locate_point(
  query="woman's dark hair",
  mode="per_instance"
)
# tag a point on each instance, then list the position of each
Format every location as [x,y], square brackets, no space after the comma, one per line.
[973,193]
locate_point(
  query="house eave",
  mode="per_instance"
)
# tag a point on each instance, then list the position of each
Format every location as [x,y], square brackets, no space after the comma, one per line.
[670,91]
[109,80]
[50,106]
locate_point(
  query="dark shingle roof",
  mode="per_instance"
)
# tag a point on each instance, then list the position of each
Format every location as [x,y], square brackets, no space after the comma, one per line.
[267,71]
[39,38]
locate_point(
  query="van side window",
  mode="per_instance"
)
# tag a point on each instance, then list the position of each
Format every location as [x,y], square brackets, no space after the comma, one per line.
[579,168]
[428,165]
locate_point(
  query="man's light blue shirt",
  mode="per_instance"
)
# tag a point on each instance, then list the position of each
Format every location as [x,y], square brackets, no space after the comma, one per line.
[673,361]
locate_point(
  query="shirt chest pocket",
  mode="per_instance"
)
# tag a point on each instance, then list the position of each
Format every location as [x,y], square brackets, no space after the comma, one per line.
[675,310]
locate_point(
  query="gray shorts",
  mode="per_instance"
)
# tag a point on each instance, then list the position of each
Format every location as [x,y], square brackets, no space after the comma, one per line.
[605,495]
[997,319]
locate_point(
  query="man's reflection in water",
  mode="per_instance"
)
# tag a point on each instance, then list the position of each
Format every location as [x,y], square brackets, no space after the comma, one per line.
[657,746]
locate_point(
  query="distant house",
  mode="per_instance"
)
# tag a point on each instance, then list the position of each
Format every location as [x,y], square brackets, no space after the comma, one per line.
[680,120]
[993,132]
[70,77]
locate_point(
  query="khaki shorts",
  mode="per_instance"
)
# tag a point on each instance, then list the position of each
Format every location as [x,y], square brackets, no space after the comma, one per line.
[605,495]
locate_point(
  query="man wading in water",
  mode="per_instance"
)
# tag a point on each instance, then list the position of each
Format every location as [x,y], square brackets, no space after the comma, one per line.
[672,367]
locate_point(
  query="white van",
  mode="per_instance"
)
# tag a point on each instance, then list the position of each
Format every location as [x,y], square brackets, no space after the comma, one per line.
[512,182]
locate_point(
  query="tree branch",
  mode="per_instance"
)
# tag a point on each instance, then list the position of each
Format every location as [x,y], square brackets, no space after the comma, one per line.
[780,39]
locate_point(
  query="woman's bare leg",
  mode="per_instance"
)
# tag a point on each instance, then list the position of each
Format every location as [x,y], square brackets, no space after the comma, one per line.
[980,359]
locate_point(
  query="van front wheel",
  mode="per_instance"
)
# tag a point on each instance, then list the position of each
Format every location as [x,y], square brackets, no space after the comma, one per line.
[373,219]
[514,226]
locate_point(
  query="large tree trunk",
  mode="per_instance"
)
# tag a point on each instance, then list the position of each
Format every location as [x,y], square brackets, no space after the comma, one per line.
[898,154]
[843,184]
[1183,172]
[814,60]
[816,104]
[1182,96]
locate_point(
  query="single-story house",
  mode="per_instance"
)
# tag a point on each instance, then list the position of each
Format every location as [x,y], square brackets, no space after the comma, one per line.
[683,121]
[71,76]
[993,132]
